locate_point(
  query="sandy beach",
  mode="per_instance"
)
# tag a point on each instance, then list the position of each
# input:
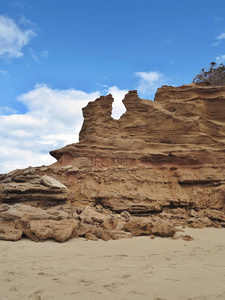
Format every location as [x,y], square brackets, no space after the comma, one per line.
[136,268]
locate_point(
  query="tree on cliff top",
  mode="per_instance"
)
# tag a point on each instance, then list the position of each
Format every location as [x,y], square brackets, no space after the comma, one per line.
[215,75]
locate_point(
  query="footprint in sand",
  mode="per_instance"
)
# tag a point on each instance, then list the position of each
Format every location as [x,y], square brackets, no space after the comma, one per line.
[85,282]
[36,295]
[45,274]
[137,293]
[60,281]
[124,276]
[170,279]
[113,287]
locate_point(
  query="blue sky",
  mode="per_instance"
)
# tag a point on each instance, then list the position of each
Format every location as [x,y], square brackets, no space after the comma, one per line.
[56,55]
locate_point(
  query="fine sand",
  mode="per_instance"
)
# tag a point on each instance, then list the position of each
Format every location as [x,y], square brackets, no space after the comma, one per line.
[137,268]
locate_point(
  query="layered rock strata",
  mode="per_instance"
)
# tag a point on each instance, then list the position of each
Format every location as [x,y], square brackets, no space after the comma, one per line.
[161,165]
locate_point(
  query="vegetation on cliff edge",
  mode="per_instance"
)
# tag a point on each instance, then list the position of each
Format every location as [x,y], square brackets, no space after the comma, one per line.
[214,76]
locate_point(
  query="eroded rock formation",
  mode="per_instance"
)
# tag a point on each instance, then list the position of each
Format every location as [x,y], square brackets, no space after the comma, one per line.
[160,166]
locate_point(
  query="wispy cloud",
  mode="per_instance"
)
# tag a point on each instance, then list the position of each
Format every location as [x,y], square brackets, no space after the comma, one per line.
[45,54]
[53,120]
[33,54]
[37,56]
[4,76]
[169,41]
[13,38]
[4,72]
[5,110]
[217,19]
[24,21]
[215,44]
[220,59]
[150,81]
[221,36]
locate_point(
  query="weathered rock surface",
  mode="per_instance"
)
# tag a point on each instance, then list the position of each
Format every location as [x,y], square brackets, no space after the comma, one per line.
[161,165]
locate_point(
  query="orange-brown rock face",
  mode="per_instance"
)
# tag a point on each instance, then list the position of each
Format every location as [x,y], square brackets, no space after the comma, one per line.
[163,161]
[165,153]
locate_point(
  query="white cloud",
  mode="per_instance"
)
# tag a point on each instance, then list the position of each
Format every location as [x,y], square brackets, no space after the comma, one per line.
[221,36]
[12,38]
[4,110]
[37,55]
[14,158]
[53,120]
[24,21]
[215,44]
[45,54]
[61,106]
[150,81]
[33,54]
[217,19]
[4,72]
[118,106]
[220,59]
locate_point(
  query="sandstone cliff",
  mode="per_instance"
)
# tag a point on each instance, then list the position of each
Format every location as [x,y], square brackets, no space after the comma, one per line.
[159,166]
